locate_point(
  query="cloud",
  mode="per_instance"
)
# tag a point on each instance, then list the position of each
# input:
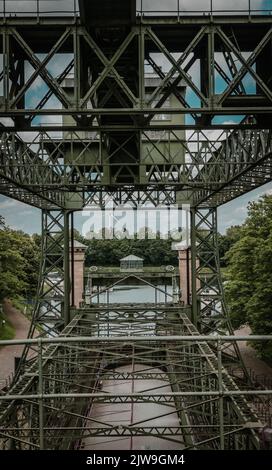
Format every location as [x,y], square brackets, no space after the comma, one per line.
[8,204]
[235,212]
[20,216]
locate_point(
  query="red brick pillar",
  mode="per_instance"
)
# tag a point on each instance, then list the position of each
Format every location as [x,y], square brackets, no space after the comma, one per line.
[185,274]
[79,264]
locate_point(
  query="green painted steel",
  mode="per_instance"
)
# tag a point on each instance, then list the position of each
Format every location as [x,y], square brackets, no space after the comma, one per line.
[115,132]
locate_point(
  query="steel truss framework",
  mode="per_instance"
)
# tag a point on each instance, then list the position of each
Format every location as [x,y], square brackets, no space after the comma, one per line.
[215,170]
[109,145]
[51,307]
[70,376]
[116,108]
[123,96]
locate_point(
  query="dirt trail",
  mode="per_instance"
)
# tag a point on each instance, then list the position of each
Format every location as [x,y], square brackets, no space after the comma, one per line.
[7,354]
[259,367]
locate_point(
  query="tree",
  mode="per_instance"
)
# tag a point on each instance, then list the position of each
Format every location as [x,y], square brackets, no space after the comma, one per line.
[240,278]
[249,274]
[155,252]
[225,242]
[19,264]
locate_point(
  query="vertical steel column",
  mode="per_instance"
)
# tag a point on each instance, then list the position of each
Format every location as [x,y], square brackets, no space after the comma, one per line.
[211,80]
[72,262]
[6,65]
[221,398]
[77,67]
[141,85]
[141,59]
[193,267]
[66,269]
[40,391]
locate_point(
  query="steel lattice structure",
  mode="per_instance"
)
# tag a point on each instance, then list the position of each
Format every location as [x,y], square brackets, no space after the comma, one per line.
[102,127]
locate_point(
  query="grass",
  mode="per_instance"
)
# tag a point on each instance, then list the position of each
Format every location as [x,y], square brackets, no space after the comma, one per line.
[24,308]
[7,331]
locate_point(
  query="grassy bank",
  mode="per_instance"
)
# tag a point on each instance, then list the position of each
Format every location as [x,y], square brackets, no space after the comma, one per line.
[6,330]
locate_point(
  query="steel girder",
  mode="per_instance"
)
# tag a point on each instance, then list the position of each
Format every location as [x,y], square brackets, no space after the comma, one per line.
[51,310]
[215,169]
[67,377]
[121,112]
[117,67]
[209,309]
[27,173]
[108,96]
[240,163]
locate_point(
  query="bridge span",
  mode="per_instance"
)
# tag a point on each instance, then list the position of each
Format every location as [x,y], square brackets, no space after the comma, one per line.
[141,109]
[55,401]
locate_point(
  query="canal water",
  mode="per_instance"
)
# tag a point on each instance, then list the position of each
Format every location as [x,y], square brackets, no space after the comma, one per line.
[135,294]
[128,415]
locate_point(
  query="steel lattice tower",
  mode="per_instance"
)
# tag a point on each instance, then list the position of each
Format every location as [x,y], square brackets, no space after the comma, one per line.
[106,142]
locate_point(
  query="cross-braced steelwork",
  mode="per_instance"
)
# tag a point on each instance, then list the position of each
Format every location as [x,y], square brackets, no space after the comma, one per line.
[72,378]
[136,107]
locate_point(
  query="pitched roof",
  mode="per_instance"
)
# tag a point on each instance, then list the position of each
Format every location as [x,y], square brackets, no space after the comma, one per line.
[131,258]
[77,244]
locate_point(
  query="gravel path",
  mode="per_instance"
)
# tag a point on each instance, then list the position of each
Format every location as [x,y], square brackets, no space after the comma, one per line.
[7,354]
[259,367]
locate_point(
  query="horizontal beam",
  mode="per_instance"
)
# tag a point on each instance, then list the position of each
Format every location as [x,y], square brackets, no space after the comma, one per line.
[160,396]
[116,339]
[137,111]
[172,20]
[117,128]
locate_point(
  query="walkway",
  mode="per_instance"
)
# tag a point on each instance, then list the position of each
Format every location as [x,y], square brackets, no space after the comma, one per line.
[249,355]
[7,354]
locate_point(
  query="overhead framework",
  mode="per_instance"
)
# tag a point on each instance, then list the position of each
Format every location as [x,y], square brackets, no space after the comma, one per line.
[104,103]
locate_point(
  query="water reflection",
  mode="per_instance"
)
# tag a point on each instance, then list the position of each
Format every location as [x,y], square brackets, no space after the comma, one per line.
[134,294]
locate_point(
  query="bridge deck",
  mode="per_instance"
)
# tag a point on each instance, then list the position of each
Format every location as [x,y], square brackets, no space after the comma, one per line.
[54,403]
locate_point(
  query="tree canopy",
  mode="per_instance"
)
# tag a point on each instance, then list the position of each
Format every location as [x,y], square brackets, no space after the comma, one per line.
[249,273]
[19,264]
[155,252]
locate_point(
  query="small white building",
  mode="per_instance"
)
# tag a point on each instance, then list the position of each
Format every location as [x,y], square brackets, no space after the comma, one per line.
[131,263]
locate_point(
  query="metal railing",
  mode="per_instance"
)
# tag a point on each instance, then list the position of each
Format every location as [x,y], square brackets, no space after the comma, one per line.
[221,392]
[181,8]
[175,8]
[39,8]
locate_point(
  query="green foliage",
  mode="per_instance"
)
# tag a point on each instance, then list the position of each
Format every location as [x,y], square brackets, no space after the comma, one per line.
[19,264]
[225,242]
[6,329]
[155,252]
[249,274]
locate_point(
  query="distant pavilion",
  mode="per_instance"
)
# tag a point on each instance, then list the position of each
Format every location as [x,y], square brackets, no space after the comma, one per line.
[131,263]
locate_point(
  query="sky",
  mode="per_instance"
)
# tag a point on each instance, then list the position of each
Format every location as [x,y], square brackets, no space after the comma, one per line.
[28,219]
[20,216]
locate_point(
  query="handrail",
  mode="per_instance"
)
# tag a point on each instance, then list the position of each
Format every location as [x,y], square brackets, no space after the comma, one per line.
[39,8]
[44,8]
[95,339]
[184,8]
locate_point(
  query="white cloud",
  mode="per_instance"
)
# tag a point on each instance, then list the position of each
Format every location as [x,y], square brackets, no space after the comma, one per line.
[8,204]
